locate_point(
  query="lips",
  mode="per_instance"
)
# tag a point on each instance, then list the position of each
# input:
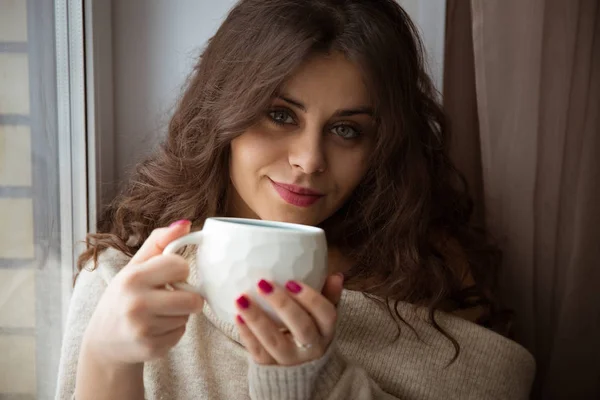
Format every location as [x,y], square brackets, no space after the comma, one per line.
[297,195]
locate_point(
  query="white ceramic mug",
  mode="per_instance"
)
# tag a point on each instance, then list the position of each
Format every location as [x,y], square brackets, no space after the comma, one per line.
[234,254]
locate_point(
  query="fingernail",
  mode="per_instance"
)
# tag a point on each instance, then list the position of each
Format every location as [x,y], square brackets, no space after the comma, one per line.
[180,222]
[243,302]
[341,276]
[241,320]
[293,287]
[265,286]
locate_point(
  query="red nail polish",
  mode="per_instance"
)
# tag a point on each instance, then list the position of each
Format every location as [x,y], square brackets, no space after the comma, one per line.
[180,222]
[265,286]
[293,287]
[243,302]
[241,320]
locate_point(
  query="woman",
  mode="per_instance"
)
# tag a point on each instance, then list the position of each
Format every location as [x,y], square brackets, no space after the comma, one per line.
[316,112]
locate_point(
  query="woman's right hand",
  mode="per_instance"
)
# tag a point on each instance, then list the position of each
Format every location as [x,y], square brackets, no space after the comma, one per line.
[137,319]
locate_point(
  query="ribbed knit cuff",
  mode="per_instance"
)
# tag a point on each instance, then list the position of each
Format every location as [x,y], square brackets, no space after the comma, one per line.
[299,382]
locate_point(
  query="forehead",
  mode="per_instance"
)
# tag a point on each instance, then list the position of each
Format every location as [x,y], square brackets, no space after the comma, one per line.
[328,78]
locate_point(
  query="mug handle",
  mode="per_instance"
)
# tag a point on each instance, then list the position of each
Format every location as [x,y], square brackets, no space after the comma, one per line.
[174,246]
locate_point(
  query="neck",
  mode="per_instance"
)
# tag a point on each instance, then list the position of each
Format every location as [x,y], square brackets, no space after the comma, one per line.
[338,262]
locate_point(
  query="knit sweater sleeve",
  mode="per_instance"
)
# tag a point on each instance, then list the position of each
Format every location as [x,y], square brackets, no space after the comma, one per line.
[331,377]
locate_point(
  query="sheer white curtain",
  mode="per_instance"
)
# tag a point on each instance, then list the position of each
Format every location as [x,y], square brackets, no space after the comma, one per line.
[43,186]
[523,91]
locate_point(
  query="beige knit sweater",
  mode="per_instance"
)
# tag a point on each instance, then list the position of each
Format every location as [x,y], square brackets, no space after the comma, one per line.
[364,362]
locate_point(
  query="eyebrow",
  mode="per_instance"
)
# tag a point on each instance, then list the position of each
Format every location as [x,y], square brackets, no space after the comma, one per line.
[339,113]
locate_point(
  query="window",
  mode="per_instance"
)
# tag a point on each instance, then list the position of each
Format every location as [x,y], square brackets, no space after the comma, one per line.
[43,186]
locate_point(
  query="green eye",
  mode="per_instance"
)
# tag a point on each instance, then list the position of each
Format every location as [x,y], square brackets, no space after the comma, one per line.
[345,131]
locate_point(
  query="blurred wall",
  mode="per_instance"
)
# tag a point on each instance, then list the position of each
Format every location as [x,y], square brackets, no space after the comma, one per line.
[155,44]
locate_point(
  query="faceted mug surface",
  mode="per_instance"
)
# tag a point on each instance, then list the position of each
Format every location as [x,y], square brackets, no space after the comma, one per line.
[234,254]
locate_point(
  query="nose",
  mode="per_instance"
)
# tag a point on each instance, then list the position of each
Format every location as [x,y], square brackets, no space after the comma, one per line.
[307,154]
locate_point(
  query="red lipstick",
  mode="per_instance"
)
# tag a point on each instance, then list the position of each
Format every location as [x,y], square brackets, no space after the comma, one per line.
[297,195]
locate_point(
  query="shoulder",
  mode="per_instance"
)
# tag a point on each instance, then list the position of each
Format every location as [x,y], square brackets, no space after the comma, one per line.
[104,269]
[91,282]
[493,356]
[488,363]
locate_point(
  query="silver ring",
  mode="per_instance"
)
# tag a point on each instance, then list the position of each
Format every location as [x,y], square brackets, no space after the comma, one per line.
[301,346]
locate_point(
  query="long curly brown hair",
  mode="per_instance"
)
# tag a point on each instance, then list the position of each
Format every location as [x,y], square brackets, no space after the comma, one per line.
[407,225]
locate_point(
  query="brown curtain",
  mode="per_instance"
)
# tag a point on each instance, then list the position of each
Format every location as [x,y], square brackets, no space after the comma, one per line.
[522,89]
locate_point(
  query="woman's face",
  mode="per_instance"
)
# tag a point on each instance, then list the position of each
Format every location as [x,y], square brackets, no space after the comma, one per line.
[309,150]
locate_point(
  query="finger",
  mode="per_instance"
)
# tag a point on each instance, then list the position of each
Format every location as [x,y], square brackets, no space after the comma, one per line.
[252,345]
[318,306]
[265,330]
[333,288]
[159,271]
[299,322]
[159,239]
[162,325]
[165,303]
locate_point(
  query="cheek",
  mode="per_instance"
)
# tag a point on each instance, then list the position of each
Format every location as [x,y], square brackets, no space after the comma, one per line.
[349,169]
[241,163]
[250,153]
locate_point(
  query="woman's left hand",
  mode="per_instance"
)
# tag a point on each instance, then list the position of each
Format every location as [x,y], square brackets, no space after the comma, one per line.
[309,316]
